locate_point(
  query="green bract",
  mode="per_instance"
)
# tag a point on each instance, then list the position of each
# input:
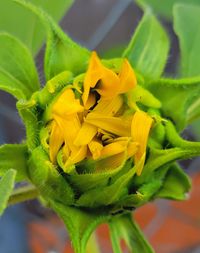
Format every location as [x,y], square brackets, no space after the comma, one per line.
[84,200]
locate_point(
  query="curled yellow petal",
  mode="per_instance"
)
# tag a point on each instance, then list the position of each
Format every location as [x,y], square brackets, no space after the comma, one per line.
[113,149]
[127,77]
[111,162]
[114,125]
[108,85]
[140,128]
[109,107]
[67,104]
[70,128]
[85,134]
[90,101]
[55,141]
[132,149]
[76,156]
[92,76]
[95,147]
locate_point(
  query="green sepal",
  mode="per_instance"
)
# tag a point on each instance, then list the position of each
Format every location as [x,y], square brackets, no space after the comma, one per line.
[48,180]
[18,74]
[61,52]
[28,112]
[89,179]
[7,183]
[80,223]
[148,49]
[142,192]
[157,136]
[14,156]
[123,227]
[176,184]
[177,141]
[143,96]
[173,92]
[52,87]
[159,158]
[107,195]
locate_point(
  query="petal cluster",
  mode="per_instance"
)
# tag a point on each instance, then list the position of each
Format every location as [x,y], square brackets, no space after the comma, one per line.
[95,122]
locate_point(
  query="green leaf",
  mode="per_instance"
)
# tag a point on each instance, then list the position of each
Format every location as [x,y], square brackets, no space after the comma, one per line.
[80,223]
[194,111]
[61,53]
[173,92]
[18,74]
[176,184]
[25,26]
[148,49]
[14,156]
[195,128]
[124,228]
[164,9]
[6,187]
[186,26]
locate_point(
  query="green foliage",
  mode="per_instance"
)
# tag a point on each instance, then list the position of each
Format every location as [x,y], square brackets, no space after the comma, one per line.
[165,8]
[85,197]
[6,187]
[25,26]
[61,52]
[148,49]
[186,25]
[124,228]
[14,156]
[18,74]
[176,184]
[173,92]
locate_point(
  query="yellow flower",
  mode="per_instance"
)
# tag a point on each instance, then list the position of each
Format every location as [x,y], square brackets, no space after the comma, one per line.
[93,123]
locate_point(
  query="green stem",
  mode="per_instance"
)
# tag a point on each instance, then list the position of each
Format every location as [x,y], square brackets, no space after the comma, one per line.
[22,194]
[92,245]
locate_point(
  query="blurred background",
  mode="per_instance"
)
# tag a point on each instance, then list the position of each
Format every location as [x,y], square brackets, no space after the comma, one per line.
[105,26]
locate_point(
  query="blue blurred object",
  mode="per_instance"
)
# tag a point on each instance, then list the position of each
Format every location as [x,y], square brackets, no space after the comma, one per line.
[13,234]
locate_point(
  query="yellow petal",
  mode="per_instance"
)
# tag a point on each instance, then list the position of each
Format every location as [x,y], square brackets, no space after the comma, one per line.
[95,148]
[111,162]
[85,134]
[90,101]
[76,156]
[114,125]
[127,77]
[140,128]
[92,76]
[109,81]
[55,141]
[109,107]
[132,149]
[113,149]
[70,128]
[67,104]
[109,85]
